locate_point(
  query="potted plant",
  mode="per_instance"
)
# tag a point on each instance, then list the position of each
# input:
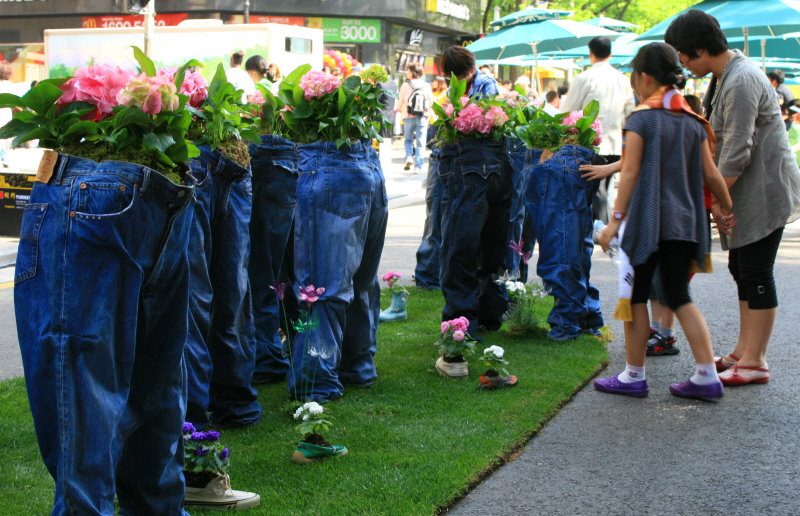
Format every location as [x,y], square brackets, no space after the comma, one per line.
[314,447]
[493,357]
[397,310]
[454,342]
[205,469]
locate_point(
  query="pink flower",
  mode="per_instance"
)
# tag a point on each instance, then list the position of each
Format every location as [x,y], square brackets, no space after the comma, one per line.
[468,118]
[194,85]
[445,327]
[536,102]
[98,85]
[309,294]
[458,335]
[448,110]
[464,101]
[482,124]
[496,115]
[512,98]
[317,84]
[572,118]
[151,94]
[460,324]
[256,98]
[598,127]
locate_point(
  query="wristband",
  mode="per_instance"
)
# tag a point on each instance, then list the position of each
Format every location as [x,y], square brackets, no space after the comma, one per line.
[618,215]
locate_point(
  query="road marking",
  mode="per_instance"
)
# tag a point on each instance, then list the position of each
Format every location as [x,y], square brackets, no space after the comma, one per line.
[7,284]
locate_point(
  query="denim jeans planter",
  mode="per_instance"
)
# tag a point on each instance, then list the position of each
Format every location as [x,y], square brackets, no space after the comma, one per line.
[219,351]
[274,164]
[517,153]
[426,273]
[101,298]
[477,190]
[559,201]
[340,225]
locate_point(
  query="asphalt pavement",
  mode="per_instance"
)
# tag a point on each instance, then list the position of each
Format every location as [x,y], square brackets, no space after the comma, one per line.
[607,454]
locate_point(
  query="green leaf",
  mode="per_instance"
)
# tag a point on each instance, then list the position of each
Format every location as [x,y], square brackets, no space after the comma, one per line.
[353,82]
[519,89]
[131,115]
[55,82]
[9,100]
[591,111]
[78,105]
[41,98]
[37,134]
[439,110]
[297,95]
[159,141]
[145,62]
[302,110]
[180,75]
[294,77]
[341,99]
[84,126]
[16,128]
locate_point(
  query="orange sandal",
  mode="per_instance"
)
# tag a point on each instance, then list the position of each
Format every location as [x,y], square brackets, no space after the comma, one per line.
[743,375]
[722,365]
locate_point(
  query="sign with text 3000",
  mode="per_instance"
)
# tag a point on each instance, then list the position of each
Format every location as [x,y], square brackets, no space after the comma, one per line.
[351,30]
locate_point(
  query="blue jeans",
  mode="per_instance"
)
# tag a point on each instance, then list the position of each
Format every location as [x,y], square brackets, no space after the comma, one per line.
[415,130]
[340,225]
[274,164]
[426,273]
[516,155]
[101,298]
[559,201]
[219,351]
[477,188]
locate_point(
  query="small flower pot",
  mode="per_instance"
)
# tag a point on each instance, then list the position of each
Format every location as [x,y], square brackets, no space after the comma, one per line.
[452,367]
[492,380]
[216,493]
[315,448]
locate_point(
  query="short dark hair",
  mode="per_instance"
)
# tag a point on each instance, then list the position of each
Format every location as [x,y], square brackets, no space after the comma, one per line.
[415,69]
[777,75]
[695,30]
[457,60]
[485,66]
[600,47]
[562,90]
[236,58]
[693,101]
[659,61]
[551,96]
[257,64]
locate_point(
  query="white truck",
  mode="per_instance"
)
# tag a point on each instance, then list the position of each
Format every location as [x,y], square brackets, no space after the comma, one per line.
[287,46]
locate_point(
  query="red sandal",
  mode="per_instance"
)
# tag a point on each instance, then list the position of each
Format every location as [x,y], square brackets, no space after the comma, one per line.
[722,365]
[743,375]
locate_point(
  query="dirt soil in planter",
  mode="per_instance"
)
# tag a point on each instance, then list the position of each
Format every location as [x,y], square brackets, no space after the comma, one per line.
[491,373]
[199,479]
[453,360]
[236,150]
[317,440]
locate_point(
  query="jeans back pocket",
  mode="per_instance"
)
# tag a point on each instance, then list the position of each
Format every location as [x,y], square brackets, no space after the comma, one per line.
[28,252]
[348,191]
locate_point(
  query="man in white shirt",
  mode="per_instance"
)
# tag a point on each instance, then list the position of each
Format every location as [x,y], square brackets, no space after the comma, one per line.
[551,107]
[613,90]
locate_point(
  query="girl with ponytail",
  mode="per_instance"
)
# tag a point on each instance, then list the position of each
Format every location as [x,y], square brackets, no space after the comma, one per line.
[660,218]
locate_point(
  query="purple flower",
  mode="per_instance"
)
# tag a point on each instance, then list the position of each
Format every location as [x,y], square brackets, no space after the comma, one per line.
[224,454]
[212,435]
[279,288]
[202,452]
[526,256]
[309,294]
[198,436]
[189,428]
[516,246]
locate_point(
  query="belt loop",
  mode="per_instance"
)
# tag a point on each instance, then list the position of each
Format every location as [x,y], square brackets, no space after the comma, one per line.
[61,167]
[145,180]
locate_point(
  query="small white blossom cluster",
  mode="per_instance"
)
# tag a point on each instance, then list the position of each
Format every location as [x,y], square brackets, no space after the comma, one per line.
[514,287]
[312,408]
[497,351]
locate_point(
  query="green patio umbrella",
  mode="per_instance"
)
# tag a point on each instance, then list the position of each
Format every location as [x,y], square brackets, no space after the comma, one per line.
[611,23]
[531,14]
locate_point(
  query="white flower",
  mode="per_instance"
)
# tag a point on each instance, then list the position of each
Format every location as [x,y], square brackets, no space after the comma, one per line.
[305,417]
[495,350]
[313,408]
[298,412]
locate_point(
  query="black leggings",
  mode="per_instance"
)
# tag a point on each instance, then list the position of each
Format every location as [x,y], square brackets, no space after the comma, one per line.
[751,267]
[673,258]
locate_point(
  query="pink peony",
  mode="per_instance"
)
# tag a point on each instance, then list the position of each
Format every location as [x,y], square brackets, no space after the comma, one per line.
[460,324]
[151,94]
[496,115]
[194,85]
[448,110]
[445,327]
[98,85]
[458,335]
[468,119]
[572,118]
[317,84]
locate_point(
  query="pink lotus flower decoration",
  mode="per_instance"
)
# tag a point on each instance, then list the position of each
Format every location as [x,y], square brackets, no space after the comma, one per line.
[309,294]
[317,84]
[279,288]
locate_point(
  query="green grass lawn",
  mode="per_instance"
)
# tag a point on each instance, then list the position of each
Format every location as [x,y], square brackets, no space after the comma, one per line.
[417,441]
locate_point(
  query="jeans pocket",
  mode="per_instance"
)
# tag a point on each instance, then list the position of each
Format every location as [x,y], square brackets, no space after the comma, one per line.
[477,177]
[28,252]
[99,199]
[577,190]
[347,191]
[281,186]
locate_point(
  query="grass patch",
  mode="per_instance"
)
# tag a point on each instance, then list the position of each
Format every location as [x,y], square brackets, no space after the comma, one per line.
[417,441]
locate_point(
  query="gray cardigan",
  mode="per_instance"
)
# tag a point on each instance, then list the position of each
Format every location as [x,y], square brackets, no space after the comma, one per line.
[752,145]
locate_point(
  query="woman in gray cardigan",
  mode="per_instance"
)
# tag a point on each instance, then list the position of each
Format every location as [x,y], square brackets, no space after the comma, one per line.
[754,156]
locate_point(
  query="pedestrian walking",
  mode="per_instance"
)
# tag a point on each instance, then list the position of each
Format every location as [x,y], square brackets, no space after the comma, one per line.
[238,77]
[416,99]
[667,159]
[754,157]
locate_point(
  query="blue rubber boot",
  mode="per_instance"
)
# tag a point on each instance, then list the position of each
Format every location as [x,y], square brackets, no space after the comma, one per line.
[397,310]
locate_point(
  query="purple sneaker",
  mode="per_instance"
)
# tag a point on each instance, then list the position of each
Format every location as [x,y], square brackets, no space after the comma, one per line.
[687,389]
[614,386]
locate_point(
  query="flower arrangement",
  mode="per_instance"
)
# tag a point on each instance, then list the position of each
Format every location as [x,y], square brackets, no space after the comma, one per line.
[455,341]
[539,130]
[522,316]
[391,278]
[314,447]
[204,456]
[107,113]
[465,117]
[222,122]
[320,108]
[516,291]
[493,358]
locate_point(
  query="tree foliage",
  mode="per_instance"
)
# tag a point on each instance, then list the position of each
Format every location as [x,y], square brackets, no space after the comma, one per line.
[645,13]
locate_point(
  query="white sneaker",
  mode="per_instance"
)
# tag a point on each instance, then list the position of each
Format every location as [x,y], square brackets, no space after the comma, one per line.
[218,496]
[452,370]
[409,164]
[418,170]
